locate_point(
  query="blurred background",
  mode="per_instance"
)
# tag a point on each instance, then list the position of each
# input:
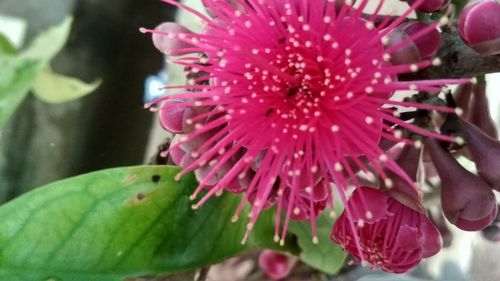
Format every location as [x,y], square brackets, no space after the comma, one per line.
[45,142]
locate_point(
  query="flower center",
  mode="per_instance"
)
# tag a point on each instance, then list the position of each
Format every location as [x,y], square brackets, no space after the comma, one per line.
[372,251]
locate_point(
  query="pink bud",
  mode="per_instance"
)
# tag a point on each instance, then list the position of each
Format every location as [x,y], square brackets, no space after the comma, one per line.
[166,38]
[480,115]
[429,6]
[428,45]
[423,46]
[173,118]
[275,265]
[405,55]
[467,200]
[485,152]
[479,26]
[179,155]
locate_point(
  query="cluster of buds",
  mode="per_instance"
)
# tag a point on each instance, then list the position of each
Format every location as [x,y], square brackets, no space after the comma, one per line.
[467,199]
[287,101]
[478,23]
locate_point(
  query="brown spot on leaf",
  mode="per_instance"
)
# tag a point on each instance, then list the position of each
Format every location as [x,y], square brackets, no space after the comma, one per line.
[130,178]
[137,199]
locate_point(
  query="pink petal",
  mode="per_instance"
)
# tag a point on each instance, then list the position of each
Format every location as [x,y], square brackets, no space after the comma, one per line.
[166,38]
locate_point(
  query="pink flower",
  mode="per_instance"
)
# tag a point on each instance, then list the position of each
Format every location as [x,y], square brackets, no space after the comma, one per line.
[284,97]
[393,237]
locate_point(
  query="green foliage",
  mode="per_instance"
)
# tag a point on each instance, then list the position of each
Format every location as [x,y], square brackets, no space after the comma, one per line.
[6,47]
[325,256]
[50,42]
[459,6]
[20,71]
[117,223]
[16,77]
[56,88]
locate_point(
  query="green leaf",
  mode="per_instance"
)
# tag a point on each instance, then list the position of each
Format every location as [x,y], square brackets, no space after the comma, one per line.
[118,223]
[48,43]
[56,88]
[18,73]
[6,47]
[459,6]
[326,255]
[16,78]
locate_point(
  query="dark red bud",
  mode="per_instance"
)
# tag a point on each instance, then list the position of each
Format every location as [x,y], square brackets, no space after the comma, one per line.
[485,152]
[467,200]
[480,112]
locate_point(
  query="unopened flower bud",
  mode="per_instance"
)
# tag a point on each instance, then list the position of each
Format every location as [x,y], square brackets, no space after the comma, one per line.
[485,152]
[275,265]
[173,118]
[467,200]
[479,26]
[428,44]
[422,47]
[181,154]
[480,113]
[166,38]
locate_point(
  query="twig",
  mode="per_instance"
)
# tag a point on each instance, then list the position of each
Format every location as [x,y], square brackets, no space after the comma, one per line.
[202,274]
